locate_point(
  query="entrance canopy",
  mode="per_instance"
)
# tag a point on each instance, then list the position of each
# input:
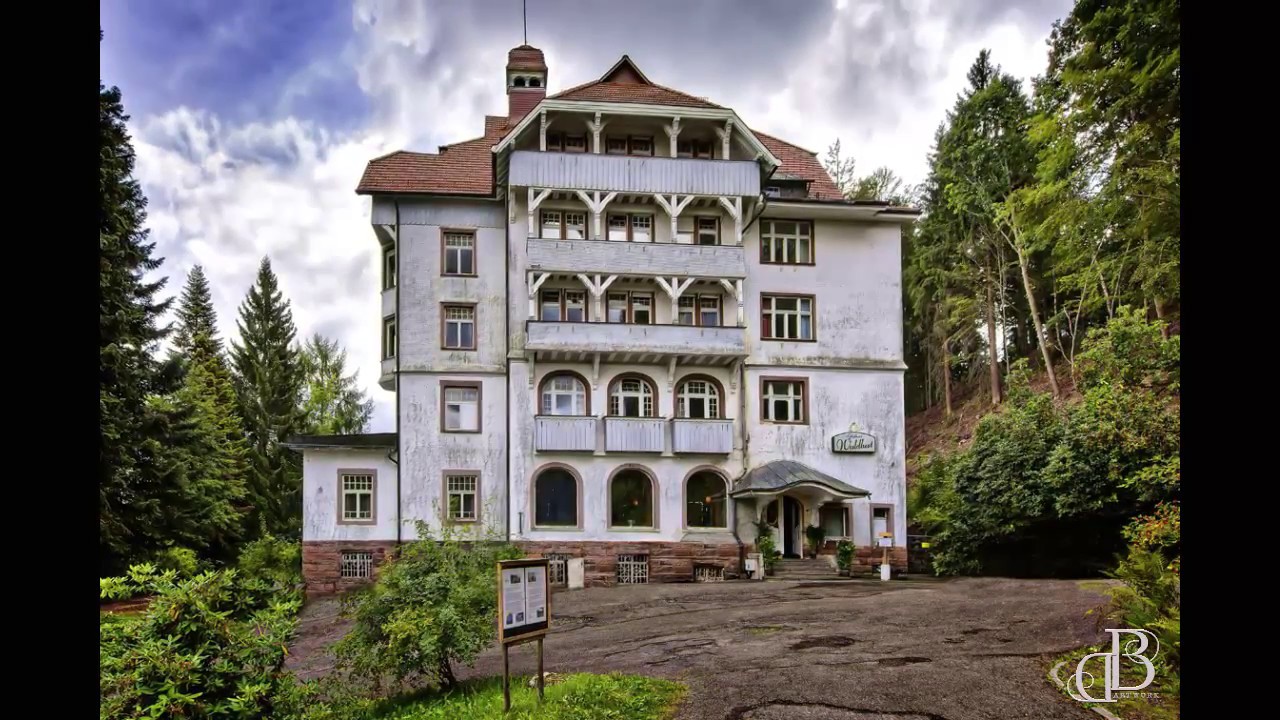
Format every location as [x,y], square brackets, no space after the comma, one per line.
[779,476]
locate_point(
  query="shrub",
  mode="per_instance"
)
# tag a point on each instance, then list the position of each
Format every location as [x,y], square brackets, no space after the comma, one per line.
[432,606]
[845,551]
[209,646]
[179,559]
[272,559]
[765,544]
[816,536]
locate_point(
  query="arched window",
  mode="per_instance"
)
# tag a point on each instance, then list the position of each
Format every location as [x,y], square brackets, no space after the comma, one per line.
[704,497]
[535,82]
[631,396]
[555,498]
[631,499]
[771,512]
[698,397]
[518,81]
[564,394]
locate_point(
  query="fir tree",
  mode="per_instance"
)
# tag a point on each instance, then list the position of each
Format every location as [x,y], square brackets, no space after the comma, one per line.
[196,317]
[268,376]
[130,488]
[333,404]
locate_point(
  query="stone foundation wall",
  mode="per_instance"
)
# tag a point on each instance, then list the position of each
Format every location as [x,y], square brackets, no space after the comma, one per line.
[322,562]
[668,561]
[865,558]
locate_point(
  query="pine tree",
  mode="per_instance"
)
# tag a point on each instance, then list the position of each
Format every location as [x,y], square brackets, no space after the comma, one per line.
[268,376]
[131,488]
[333,404]
[196,317]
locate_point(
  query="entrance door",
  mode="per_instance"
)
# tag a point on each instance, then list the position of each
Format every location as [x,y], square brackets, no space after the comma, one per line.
[790,527]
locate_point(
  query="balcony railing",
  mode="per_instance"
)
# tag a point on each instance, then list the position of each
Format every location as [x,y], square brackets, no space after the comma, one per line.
[628,434]
[636,258]
[564,433]
[631,174]
[712,437]
[629,338]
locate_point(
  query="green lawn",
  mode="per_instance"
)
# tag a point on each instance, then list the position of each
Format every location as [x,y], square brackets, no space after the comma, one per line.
[574,697]
[1130,706]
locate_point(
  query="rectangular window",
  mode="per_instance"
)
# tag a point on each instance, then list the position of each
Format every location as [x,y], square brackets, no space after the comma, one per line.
[694,149]
[459,253]
[783,401]
[575,225]
[786,317]
[686,314]
[389,343]
[551,224]
[834,520]
[388,267]
[357,495]
[575,143]
[550,306]
[881,522]
[642,308]
[463,492]
[640,146]
[633,227]
[555,141]
[461,407]
[633,569]
[575,305]
[459,327]
[709,310]
[357,565]
[685,230]
[708,231]
[617,307]
[615,145]
[786,242]
[557,569]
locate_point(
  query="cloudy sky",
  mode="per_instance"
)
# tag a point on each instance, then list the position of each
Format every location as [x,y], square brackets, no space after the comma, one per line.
[253,119]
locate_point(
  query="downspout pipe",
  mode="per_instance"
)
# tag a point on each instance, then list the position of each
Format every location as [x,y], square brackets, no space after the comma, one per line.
[399,435]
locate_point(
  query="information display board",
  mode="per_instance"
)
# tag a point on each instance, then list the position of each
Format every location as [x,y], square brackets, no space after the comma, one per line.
[524,603]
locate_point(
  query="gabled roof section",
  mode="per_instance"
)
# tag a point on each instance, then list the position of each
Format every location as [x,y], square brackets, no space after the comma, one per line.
[801,164]
[625,83]
[781,475]
[463,168]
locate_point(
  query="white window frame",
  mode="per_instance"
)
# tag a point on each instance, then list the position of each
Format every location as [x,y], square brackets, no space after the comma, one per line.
[390,338]
[645,397]
[389,277]
[630,219]
[546,302]
[793,395]
[778,248]
[458,321]
[459,245]
[358,485]
[640,302]
[844,518]
[577,395]
[355,565]
[709,394]
[769,307]
[460,403]
[462,485]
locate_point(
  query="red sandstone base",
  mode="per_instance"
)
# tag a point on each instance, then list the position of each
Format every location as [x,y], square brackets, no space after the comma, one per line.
[322,562]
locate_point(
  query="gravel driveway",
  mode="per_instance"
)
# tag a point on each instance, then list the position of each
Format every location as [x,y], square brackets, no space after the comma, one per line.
[861,650]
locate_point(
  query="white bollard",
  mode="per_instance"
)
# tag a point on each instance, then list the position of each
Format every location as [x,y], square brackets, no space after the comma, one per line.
[576,570]
[884,571]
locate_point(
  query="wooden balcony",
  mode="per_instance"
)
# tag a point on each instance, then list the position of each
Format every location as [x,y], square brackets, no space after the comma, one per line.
[635,258]
[695,436]
[627,173]
[622,342]
[641,435]
[564,433]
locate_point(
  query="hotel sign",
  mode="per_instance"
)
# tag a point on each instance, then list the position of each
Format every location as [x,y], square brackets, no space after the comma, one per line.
[853,441]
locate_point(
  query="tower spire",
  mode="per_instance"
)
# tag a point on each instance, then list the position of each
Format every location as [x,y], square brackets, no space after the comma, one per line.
[525,4]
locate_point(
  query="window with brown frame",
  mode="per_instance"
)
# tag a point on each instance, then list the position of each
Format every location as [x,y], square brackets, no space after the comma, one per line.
[462,495]
[458,327]
[708,231]
[388,267]
[629,145]
[703,310]
[694,230]
[633,227]
[641,309]
[564,225]
[784,400]
[563,306]
[694,149]
[460,407]
[787,317]
[389,340]
[617,311]
[786,242]
[459,253]
[555,141]
[834,519]
[358,489]
[575,143]
[615,145]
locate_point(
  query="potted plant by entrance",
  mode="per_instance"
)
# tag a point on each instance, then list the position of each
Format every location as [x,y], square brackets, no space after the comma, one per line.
[816,536]
[767,547]
[845,551]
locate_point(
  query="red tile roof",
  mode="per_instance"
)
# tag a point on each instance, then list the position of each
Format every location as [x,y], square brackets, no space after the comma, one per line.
[526,57]
[466,168]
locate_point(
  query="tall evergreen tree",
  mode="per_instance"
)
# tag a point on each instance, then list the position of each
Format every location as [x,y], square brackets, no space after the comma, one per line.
[196,317]
[332,404]
[131,488]
[268,376]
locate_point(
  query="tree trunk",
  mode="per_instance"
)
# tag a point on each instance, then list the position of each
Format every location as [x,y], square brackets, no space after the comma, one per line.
[1035,318]
[946,374]
[1004,313]
[1164,326]
[992,362]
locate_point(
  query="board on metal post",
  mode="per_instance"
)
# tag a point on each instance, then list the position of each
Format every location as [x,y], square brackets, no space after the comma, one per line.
[524,612]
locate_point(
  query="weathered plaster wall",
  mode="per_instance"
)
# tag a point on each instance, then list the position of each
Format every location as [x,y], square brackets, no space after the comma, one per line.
[320,494]
[594,469]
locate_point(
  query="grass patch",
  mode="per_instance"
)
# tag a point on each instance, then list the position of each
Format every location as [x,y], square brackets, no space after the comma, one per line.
[1136,705]
[580,696]
[1095,586]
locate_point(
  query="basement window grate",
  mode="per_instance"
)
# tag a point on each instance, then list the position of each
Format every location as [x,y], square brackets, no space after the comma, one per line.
[633,569]
[558,569]
[708,573]
[357,565]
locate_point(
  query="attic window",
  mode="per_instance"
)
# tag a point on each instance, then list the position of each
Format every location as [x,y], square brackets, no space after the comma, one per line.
[694,149]
[575,143]
[616,146]
[535,82]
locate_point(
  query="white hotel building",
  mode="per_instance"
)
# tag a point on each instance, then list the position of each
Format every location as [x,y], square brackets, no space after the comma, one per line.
[622,325]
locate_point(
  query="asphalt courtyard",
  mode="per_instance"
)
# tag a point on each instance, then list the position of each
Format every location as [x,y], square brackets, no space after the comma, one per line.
[862,650]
